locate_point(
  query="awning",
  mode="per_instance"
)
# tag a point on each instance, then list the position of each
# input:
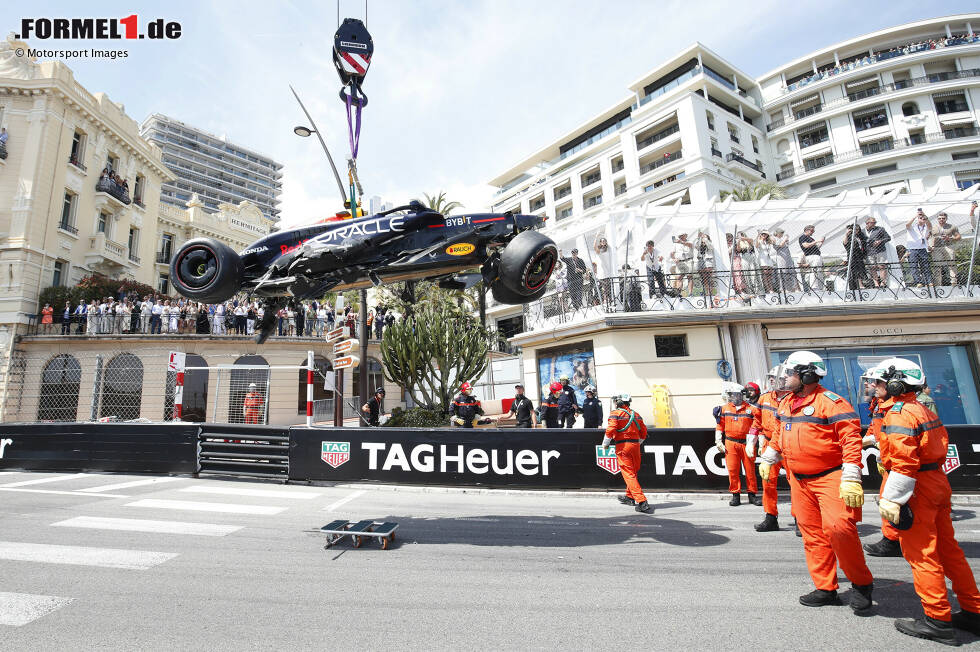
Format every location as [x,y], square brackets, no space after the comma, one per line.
[960,117]
[804,100]
[949,93]
[811,128]
[862,82]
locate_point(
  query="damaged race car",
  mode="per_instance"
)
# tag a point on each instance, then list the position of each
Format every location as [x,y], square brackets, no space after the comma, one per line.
[410,242]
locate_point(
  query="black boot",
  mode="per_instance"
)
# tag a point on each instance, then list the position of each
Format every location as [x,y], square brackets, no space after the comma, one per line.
[819,598]
[735,501]
[644,507]
[626,500]
[769,524]
[755,500]
[968,621]
[884,548]
[929,629]
[860,597]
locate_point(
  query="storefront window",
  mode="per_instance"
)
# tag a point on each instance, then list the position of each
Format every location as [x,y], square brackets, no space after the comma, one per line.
[948,370]
[577,361]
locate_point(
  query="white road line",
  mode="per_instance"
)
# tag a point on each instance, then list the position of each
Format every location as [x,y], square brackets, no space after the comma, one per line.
[226,508]
[17,609]
[141,525]
[47,478]
[82,556]
[258,493]
[127,485]
[10,473]
[343,501]
[62,493]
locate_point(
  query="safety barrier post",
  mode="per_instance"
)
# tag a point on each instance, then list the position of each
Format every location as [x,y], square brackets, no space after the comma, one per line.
[309,389]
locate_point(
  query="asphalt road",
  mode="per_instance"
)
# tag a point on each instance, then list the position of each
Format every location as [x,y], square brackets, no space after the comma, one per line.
[136,562]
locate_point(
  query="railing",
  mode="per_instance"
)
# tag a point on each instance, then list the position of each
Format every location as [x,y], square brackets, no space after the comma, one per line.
[619,166]
[114,248]
[942,108]
[564,192]
[741,159]
[880,56]
[588,181]
[732,137]
[65,226]
[671,85]
[885,89]
[134,258]
[592,201]
[813,110]
[163,257]
[769,288]
[536,206]
[660,135]
[867,122]
[113,189]
[879,147]
[139,202]
[596,138]
[78,164]
[670,158]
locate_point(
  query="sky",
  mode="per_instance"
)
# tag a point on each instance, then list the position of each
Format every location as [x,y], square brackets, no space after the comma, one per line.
[459,91]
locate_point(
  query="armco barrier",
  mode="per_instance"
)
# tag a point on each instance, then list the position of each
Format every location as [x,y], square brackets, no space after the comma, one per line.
[673,459]
[121,447]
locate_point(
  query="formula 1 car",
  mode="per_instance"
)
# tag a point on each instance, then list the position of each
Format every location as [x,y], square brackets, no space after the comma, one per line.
[410,242]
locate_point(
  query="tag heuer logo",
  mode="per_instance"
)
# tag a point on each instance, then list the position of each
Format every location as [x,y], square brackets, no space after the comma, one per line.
[952,459]
[608,462]
[335,453]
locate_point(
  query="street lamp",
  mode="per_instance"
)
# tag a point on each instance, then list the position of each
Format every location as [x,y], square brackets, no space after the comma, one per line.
[305,132]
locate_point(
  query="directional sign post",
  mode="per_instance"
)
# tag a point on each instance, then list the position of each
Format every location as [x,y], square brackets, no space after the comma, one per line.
[338,333]
[345,362]
[344,347]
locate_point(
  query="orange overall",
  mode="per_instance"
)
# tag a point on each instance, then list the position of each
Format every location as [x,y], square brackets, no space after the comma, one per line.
[736,421]
[253,407]
[627,430]
[818,434]
[888,530]
[913,443]
[764,424]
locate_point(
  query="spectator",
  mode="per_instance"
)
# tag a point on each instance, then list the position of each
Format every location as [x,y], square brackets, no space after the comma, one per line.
[156,317]
[81,317]
[203,321]
[575,271]
[122,317]
[66,319]
[654,265]
[379,322]
[240,318]
[681,256]
[299,317]
[351,322]
[926,399]
[219,320]
[784,261]
[290,321]
[604,267]
[281,321]
[145,314]
[331,318]
[174,317]
[811,254]
[766,252]
[918,230]
[705,258]
[855,250]
[945,236]
[190,317]
[321,321]
[877,258]
[745,250]
[92,318]
[250,316]
[4,136]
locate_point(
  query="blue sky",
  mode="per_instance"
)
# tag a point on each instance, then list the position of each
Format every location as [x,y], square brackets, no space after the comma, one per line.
[459,91]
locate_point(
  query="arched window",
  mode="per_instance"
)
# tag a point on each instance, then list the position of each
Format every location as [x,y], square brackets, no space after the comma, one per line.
[910,108]
[195,406]
[239,389]
[122,387]
[323,368]
[60,381]
[375,378]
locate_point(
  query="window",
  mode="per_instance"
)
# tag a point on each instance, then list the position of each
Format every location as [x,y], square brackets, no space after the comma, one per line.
[564,211]
[959,156]
[59,273]
[563,191]
[68,213]
[589,202]
[166,248]
[134,243]
[950,103]
[870,118]
[138,189]
[77,155]
[195,405]
[882,169]
[732,133]
[60,382]
[617,164]
[910,108]
[590,177]
[620,189]
[163,284]
[537,203]
[671,346]
[967,178]
[817,185]
[103,225]
[755,144]
[711,120]
[812,135]
[112,162]
[122,387]
[322,367]
[818,162]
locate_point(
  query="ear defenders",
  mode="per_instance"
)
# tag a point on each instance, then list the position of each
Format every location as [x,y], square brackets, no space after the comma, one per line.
[894,385]
[808,374]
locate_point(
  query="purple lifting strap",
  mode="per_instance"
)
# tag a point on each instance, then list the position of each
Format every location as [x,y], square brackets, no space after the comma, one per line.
[354,132]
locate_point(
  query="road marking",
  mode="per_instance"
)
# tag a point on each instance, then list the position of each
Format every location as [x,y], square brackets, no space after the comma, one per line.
[258,493]
[56,478]
[82,556]
[17,609]
[62,493]
[141,525]
[10,473]
[343,501]
[127,485]
[206,507]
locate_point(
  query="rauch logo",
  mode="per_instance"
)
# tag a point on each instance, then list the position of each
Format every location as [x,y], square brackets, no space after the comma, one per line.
[335,453]
[607,461]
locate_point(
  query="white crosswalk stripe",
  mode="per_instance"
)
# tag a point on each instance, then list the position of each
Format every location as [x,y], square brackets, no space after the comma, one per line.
[18,609]
[227,508]
[82,556]
[245,491]
[143,525]
[127,485]
[343,501]
[49,478]
[61,493]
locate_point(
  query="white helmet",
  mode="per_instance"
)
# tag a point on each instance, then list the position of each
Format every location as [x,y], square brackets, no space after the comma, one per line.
[771,378]
[901,374]
[623,398]
[732,392]
[590,388]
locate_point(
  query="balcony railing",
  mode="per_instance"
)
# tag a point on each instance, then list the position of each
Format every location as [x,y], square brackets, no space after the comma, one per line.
[163,258]
[77,163]
[942,108]
[564,192]
[813,110]
[732,137]
[671,85]
[588,181]
[732,156]
[592,201]
[139,202]
[134,258]
[881,146]
[618,166]
[596,138]
[886,89]
[670,158]
[660,135]
[113,189]
[65,226]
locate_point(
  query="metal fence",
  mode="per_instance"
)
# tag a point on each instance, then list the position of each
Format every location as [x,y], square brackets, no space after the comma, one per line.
[323,409]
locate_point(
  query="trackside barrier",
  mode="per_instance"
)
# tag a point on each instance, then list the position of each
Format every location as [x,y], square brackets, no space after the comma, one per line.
[236,449]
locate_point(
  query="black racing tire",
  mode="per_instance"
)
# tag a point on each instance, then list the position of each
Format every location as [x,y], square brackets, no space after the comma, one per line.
[503,294]
[526,264]
[204,269]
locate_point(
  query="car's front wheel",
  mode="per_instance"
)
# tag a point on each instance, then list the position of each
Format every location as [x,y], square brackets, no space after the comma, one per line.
[206,270]
[526,264]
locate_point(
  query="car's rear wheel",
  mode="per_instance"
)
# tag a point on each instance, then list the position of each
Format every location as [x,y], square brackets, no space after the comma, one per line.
[526,264]
[206,270]
[502,294]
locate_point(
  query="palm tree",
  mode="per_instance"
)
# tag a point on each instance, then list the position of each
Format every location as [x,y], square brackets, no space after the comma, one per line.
[756,191]
[440,204]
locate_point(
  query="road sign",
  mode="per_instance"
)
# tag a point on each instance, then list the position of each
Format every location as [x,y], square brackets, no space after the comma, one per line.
[344,347]
[338,333]
[346,362]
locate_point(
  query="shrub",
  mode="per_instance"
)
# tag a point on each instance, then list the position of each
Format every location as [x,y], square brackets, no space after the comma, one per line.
[417,418]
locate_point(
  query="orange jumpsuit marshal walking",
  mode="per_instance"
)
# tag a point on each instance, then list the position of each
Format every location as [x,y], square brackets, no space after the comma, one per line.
[625,429]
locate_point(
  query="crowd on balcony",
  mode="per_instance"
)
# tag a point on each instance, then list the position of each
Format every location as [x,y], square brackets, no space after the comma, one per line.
[131,314]
[113,184]
[881,55]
